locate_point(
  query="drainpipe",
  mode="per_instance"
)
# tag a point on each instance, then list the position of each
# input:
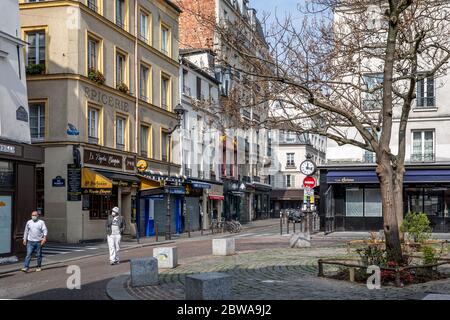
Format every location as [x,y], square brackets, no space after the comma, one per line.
[136,70]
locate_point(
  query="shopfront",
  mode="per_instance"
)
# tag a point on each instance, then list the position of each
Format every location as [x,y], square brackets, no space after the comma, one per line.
[352,198]
[215,202]
[17,192]
[261,203]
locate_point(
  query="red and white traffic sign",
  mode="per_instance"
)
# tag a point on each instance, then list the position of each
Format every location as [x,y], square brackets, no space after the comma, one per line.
[309,182]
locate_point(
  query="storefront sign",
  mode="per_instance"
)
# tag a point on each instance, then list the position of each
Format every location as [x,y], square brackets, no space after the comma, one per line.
[98,192]
[176,190]
[58,182]
[130,164]
[5,224]
[103,159]
[201,185]
[4,148]
[105,99]
[142,165]
[73,183]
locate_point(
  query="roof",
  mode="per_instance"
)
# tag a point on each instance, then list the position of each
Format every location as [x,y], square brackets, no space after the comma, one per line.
[199,70]
[186,51]
[174,6]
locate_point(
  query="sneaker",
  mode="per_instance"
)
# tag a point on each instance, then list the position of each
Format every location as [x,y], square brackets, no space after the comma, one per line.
[112,263]
[38,269]
[116,262]
[24,270]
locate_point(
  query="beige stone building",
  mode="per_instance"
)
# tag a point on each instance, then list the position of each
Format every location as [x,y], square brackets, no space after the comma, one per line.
[103,79]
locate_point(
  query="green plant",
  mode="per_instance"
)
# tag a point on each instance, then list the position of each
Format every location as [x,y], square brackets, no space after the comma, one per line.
[35,68]
[429,255]
[123,88]
[96,76]
[417,225]
[372,255]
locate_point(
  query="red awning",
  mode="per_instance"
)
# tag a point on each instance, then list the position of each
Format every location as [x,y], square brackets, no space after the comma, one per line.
[214,197]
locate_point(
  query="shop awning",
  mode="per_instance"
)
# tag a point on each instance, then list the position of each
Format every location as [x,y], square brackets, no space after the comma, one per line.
[116,176]
[91,179]
[411,176]
[216,197]
[148,184]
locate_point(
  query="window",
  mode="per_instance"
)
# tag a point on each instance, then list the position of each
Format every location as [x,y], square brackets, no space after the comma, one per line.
[37,121]
[36,47]
[290,160]
[120,69]
[425,93]
[423,146]
[372,99]
[199,88]
[144,83]
[354,202]
[93,54]
[289,181]
[164,146]
[165,92]
[93,125]
[92,4]
[145,134]
[165,40]
[144,29]
[186,89]
[372,203]
[101,206]
[120,132]
[290,137]
[120,13]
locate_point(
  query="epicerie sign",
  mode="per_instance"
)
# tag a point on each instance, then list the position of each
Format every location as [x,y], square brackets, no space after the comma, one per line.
[100,97]
[7,149]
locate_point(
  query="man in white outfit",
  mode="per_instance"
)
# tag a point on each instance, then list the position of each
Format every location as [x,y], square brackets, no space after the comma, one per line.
[114,230]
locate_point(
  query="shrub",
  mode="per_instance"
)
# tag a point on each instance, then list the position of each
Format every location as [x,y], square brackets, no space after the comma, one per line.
[123,88]
[429,255]
[372,255]
[96,76]
[35,69]
[417,225]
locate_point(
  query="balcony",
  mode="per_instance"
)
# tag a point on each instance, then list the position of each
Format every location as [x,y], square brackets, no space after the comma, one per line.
[144,153]
[93,140]
[120,22]
[423,157]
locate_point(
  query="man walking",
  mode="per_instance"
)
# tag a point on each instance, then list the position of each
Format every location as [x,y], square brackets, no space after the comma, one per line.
[34,237]
[115,225]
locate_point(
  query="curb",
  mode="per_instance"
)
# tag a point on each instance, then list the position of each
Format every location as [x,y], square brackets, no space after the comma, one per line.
[137,246]
[115,289]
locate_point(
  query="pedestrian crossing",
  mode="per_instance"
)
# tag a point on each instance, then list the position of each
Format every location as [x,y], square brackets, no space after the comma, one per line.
[252,235]
[55,250]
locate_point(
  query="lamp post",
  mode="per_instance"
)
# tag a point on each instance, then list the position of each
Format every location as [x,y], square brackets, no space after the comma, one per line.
[179,111]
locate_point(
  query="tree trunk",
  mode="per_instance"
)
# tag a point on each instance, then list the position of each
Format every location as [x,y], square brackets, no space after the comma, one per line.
[398,197]
[390,216]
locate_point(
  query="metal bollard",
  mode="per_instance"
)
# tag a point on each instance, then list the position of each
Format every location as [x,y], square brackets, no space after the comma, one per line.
[294,226]
[288,225]
[156,232]
[320,268]
[281,225]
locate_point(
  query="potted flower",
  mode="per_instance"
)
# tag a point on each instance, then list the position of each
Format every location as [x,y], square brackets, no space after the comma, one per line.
[96,76]
[122,87]
[35,68]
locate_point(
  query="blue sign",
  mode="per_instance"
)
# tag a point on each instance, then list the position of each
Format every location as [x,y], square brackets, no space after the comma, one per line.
[175,190]
[58,182]
[201,185]
[72,130]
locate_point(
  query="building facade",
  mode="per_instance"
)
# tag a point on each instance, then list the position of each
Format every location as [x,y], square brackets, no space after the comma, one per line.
[244,151]
[18,159]
[289,151]
[102,80]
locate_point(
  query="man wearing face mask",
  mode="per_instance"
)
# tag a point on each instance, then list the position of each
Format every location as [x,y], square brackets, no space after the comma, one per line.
[114,230]
[34,237]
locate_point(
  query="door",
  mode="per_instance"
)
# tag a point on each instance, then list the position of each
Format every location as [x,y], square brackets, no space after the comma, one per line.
[329,211]
[5,224]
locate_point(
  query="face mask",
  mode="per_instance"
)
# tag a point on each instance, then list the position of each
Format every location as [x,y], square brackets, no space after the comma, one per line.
[114,214]
[34,218]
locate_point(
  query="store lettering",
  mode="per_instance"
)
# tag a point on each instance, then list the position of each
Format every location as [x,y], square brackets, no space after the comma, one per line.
[101,158]
[7,149]
[105,99]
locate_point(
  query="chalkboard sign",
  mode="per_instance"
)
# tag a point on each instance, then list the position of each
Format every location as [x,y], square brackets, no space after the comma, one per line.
[73,183]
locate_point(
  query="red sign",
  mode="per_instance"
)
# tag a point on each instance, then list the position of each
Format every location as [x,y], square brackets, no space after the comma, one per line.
[309,182]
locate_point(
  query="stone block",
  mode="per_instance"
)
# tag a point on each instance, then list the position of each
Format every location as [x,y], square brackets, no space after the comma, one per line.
[208,286]
[167,257]
[144,272]
[300,240]
[223,247]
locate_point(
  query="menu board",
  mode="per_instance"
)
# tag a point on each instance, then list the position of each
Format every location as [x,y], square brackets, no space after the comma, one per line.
[5,224]
[73,183]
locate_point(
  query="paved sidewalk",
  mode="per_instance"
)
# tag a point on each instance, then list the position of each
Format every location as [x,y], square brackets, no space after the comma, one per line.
[276,274]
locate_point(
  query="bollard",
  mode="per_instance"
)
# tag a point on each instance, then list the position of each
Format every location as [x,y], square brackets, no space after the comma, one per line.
[156,232]
[320,268]
[281,225]
[288,225]
[294,226]
[352,274]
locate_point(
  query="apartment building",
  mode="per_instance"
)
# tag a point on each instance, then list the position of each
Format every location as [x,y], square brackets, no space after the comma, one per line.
[103,79]
[18,158]
[244,152]
[290,149]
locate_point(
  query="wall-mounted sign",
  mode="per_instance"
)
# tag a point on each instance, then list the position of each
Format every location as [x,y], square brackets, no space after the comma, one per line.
[58,182]
[98,96]
[142,165]
[98,192]
[73,183]
[4,148]
[176,190]
[103,159]
[72,130]
[22,114]
[130,164]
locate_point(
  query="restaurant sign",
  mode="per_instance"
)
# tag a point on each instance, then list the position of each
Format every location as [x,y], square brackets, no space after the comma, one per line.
[103,159]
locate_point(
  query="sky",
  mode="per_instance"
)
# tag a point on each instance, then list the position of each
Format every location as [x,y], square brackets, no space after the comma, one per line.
[281,7]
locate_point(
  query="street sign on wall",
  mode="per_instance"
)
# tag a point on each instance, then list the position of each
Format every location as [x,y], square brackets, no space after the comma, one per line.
[309,182]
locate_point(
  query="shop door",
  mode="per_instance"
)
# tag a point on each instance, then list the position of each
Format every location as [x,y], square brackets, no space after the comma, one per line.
[329,211]
[5,224]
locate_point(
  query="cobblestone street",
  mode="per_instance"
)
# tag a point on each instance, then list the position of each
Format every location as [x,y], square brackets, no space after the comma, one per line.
[280,274]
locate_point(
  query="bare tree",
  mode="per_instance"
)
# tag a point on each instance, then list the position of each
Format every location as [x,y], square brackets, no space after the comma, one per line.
[346,71]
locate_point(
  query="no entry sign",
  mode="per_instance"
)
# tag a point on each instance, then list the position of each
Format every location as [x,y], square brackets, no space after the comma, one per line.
[309,182]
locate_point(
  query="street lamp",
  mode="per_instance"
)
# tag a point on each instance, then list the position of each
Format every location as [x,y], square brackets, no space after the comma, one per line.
[179,111]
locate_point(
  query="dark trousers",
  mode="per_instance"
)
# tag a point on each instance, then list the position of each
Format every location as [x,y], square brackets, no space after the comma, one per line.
[31,247]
